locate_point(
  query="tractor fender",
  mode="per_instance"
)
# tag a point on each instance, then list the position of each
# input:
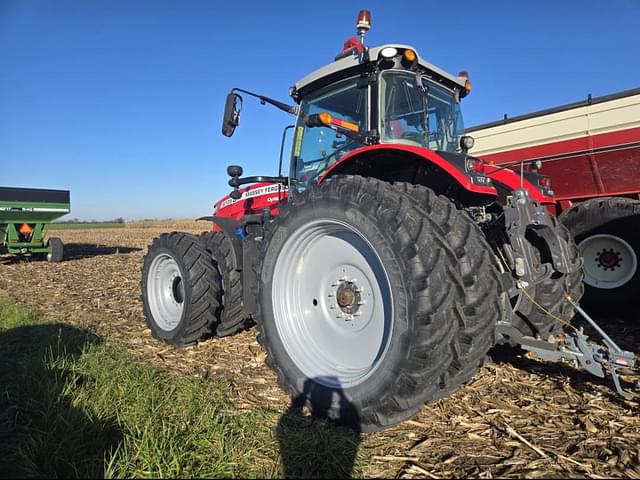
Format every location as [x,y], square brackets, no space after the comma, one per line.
[371,153]
[511,181]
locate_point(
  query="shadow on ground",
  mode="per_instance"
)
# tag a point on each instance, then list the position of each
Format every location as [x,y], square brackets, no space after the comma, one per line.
[41,433]
[76,251]
[72,251]
[315,448]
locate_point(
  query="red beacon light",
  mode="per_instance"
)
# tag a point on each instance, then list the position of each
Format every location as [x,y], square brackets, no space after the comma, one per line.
[351,47]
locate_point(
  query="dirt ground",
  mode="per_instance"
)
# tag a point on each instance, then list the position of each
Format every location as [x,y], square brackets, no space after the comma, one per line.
[517,418]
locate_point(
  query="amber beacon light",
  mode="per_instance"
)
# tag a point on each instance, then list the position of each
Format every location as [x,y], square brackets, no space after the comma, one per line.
[363,24]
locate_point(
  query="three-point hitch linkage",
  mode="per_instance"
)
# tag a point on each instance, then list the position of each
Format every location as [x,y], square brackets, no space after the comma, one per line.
[574,347]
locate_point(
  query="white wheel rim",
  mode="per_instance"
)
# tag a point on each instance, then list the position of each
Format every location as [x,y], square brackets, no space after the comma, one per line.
[321,264]
[609,261]
[165,292]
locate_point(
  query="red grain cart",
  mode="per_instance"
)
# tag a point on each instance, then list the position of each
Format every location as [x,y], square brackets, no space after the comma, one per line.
[591,152]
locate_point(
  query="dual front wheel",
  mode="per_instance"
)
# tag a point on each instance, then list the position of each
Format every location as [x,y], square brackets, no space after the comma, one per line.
[190,289]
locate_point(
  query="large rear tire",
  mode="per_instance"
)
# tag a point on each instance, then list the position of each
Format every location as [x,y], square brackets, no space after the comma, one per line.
[607,231]
[180,289]
[367,309]
[527,317]
[463,234]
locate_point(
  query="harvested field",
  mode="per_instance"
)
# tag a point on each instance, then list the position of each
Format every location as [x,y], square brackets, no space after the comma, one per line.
[518,418]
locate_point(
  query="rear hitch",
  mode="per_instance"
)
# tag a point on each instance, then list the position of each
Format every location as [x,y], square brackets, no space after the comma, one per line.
[574,347]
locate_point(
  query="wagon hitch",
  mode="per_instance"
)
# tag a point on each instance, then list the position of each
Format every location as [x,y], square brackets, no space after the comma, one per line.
[595,359]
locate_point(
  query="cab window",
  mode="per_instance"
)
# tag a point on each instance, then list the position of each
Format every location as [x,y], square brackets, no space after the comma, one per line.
[317,148]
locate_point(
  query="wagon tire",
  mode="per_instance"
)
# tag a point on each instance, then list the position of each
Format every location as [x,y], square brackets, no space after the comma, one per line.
[608,238]
[180,289]
[428,311]
[56,250]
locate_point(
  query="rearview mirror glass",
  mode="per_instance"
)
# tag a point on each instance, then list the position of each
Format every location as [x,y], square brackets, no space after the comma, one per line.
[231,117]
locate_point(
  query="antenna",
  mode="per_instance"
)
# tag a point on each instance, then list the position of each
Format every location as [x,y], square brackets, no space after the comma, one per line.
[363,24]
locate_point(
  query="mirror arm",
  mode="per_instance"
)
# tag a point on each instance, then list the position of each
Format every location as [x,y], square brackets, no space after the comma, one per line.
[235,182]
[282,106]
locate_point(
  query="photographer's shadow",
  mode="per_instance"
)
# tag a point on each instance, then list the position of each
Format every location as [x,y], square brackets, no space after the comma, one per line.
[42,432]
[315,448]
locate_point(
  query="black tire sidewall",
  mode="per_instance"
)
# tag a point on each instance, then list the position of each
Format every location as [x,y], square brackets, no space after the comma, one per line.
[57,249]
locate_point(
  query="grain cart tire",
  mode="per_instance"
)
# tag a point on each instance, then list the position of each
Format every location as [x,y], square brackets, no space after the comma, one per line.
[531,319]
[56,253]
[365,309]
[233,316]
[607,231]
[180,289]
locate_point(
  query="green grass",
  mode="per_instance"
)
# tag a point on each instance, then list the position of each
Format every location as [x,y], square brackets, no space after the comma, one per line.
[73,405]
[82,226]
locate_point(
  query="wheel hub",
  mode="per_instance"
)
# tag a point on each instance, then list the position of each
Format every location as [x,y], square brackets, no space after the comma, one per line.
[348,297]
[608,259]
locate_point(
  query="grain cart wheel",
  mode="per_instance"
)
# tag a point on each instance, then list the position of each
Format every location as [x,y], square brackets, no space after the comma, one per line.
[366,310]
[607,231]
[549,294]
[56,253]
[233,316]
[180,289]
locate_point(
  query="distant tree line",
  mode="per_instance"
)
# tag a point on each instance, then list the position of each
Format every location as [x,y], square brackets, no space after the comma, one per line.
[75,220]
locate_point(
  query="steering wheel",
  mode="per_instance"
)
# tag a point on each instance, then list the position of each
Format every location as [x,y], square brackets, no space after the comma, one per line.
[414,137]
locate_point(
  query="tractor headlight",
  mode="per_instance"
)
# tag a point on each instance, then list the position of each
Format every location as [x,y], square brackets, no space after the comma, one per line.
[388,52]
[467,142]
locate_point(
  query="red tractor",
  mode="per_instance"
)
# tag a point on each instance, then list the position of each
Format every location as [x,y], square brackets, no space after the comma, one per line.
[381,270]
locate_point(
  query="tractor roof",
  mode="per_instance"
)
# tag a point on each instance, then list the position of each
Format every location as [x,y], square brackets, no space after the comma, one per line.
[355,63]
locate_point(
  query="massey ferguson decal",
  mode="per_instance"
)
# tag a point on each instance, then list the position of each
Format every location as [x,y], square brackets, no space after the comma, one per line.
[256,192]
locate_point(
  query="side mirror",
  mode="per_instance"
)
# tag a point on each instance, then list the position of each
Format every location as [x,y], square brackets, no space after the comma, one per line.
[234,170]
[231,117]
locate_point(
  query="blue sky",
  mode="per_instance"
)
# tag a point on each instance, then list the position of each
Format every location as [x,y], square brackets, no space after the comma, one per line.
[121,101]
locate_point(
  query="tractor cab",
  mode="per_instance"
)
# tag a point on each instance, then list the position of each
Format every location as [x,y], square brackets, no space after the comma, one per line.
[383,95]
[382,112]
